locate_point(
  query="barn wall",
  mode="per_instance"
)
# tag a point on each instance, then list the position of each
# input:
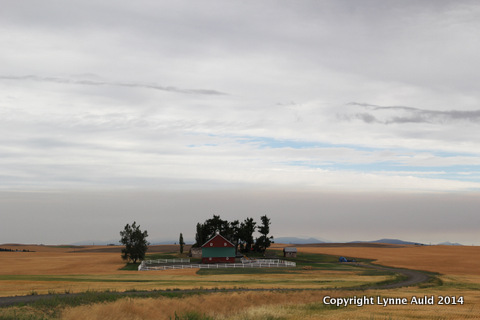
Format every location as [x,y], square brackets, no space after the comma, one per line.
[218,260]
[218,241]
[218,252]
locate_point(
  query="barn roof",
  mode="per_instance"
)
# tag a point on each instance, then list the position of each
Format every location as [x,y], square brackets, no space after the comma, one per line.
[218,235]
[289,249]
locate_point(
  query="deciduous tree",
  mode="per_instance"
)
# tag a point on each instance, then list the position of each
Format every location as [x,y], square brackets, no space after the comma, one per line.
[135,242]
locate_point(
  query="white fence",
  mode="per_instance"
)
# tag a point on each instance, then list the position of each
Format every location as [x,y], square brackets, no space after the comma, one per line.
[262,260]
[159,261]
[263,263]
[144,263]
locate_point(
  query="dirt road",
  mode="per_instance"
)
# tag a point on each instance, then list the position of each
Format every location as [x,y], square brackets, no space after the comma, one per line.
[413,277]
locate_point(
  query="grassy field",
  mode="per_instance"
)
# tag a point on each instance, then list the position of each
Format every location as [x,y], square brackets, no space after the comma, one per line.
[275,305]
[66,269]
[98,271]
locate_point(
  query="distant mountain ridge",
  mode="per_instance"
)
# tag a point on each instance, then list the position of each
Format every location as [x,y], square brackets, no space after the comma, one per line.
[448,243]
[389,241]
[285,240]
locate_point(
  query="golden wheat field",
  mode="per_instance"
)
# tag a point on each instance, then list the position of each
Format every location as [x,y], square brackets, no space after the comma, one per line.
[59,270]
[274,305]
[62,269]
[443,259]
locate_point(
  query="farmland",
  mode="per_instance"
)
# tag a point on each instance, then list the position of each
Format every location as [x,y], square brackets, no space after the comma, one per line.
[64,269]
[443,259]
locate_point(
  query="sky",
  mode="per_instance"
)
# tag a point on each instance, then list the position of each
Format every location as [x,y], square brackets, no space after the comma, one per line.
[340,120]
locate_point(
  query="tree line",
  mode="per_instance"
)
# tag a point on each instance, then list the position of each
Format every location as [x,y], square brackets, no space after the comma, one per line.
[15,250]
[240,234]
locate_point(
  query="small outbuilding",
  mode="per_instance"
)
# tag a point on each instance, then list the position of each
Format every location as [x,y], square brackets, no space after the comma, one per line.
[218,250]
[290,252]
[195,252]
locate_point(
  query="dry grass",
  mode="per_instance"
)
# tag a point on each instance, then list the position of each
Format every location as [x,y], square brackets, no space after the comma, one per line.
[276,305]
[215,305]
[61,269]
[461,278]
[63,260]
[443,259]
[182,279]
[58,263]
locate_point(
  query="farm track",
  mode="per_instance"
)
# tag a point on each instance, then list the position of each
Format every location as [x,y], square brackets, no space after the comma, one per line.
[413,278]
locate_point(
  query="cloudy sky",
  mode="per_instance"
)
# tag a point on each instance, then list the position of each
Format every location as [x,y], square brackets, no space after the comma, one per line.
[342,120]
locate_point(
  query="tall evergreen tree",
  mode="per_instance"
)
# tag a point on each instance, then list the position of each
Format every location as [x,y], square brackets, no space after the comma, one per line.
[264,241]
[200,235]
[234,234]
[247,228]
[181,243]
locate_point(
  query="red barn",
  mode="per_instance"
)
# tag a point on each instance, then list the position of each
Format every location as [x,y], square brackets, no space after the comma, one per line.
[218,250]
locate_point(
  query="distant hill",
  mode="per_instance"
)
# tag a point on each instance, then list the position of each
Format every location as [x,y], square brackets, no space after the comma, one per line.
[95,242]
[390,241]
[448,243]
[295,240]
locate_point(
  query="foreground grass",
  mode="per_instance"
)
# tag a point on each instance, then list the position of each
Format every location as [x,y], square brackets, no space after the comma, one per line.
[245,306]
[52,307]
[108,305]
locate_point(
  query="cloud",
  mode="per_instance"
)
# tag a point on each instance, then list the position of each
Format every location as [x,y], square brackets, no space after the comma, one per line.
[403,114]
[122,129]
[113,83]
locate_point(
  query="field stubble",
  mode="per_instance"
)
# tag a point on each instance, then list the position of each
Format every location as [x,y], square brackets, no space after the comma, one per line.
[67,269]
[458,260]
[273,305]
[61,269]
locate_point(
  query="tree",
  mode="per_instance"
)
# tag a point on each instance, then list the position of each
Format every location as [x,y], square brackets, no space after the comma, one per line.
[216,224]
[207,230]
[200,236]
[234,234]
[135,242]
[264,241]
[240,234]
[247,228]
[181,243]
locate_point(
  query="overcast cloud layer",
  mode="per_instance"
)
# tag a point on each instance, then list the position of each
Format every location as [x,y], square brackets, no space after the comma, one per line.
[194,96]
